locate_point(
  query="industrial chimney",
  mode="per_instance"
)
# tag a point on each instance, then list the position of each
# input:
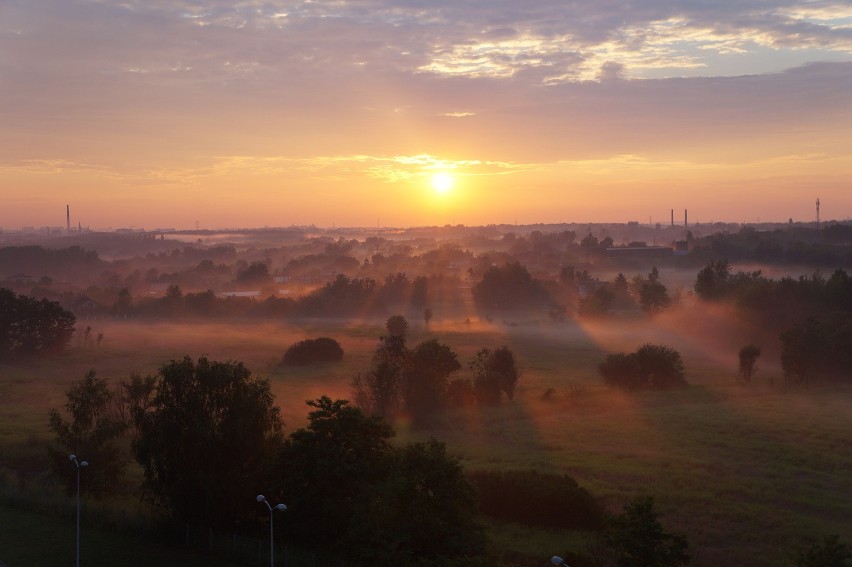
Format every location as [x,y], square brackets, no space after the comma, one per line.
[685,220]
[67,219]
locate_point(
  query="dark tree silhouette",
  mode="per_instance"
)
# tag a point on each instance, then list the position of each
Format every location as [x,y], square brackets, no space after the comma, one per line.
[91,431]
[638,539]
[494,374]
[313,351]
[426,376]
[651,366]
[205,438]
[28,325]
[748,356]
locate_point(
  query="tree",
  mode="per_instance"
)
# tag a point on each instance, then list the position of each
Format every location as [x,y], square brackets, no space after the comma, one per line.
[494,373]
[818,348]
[205,439]
[257,273]
[653,296]
[803,350]
[91,431]
[598,303]
[712,280]
[638,539]
[426,376]
[122,304]
[326,469]
[424,512]
[748,359]
[828,553]
[397,326]
[379,391]
[350,491]
[28,325]
[509,287]
[620,284]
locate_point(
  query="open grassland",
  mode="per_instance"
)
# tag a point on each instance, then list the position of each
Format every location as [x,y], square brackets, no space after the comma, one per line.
[746,471]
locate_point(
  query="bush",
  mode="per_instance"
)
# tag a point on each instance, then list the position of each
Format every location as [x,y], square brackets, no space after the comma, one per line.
[536,499]
[313,351]
[651,366]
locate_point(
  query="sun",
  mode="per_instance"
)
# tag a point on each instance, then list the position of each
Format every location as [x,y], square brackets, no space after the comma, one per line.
[442,182]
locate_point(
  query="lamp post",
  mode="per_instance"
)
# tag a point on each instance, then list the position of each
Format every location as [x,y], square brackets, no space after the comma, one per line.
[556,560]
[79,465]
[282,507]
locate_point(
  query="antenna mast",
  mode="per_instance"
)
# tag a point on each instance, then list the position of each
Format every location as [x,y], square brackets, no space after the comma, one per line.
[817,211]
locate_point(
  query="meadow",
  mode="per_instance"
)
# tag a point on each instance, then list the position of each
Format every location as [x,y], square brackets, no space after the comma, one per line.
[748,471]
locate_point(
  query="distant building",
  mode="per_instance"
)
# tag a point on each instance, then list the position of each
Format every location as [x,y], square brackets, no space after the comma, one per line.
[85,305]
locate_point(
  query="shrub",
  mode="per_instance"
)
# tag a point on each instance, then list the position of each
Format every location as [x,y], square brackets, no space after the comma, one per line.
[313,351]
[536,499]
[651,366]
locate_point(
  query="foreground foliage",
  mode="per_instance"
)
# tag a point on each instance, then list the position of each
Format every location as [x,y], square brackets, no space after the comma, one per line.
[639,540]
[208,432]
[91,430]
[348,489]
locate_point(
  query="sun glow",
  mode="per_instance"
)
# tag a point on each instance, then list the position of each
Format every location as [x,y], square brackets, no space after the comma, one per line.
[442,183]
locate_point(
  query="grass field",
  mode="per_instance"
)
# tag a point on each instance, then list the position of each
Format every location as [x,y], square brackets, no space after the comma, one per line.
[746,471]
[29,539]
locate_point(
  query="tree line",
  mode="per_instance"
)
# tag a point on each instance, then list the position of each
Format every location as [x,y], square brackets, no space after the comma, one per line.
[814,313]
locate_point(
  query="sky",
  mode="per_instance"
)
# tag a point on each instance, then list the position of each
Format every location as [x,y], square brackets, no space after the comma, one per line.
[250,113]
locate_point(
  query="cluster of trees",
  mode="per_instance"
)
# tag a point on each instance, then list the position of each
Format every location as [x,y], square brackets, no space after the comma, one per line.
[814,311]
[208,436]
[776,301]
[417,381]
[510,287]
[28,325]
[828,246]
[646,292]
[650,367]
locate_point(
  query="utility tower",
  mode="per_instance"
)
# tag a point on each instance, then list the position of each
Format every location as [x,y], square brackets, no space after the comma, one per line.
[817,211]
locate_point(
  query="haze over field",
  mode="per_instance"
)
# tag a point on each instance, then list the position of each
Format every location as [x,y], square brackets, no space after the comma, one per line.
[409,113]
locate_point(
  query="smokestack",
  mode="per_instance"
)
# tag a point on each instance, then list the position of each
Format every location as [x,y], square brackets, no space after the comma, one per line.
[672,217]
[685,222]
[68,219]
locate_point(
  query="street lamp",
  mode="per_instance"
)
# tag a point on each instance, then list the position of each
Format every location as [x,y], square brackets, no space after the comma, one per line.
[556,560]
[282,507]
[79,465]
